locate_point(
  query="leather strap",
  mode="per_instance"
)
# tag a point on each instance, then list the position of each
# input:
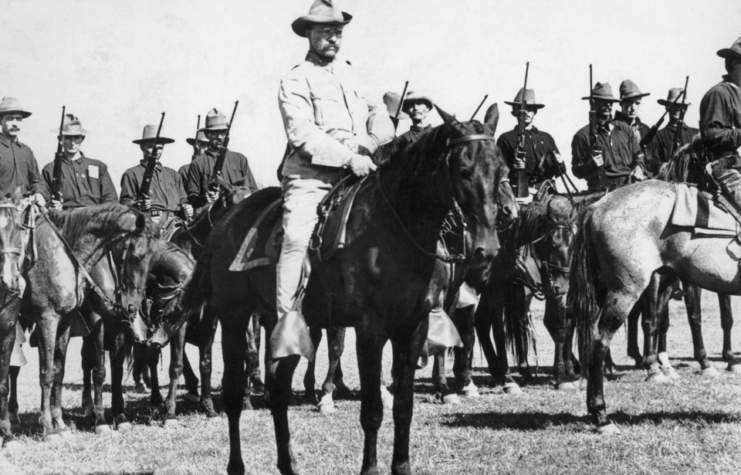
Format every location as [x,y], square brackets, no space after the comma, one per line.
[470,138]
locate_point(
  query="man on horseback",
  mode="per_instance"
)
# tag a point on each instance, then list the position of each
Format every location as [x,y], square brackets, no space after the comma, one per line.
[541,159]
[614,157]
[84,181]
[416,106]
[331,126]
[236,168]
[167,195]
[630,104]
[199,144]
[18,166]
[661,147]
[720,125]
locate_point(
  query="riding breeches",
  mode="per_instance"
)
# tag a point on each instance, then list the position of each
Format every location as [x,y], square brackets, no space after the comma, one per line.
[301,198]
[729,179]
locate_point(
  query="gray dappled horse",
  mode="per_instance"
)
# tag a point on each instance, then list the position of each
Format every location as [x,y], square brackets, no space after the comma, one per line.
[56,286]
[383,282]
[615,259]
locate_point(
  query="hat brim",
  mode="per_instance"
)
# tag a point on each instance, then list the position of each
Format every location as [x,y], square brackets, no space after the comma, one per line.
[192,141]
[23,114]
[634,96]
[536,106]
[81,133]
[408,102]
[300,24]
[600,98]
[665,103]
[220,127]
[729,53]
[161,141]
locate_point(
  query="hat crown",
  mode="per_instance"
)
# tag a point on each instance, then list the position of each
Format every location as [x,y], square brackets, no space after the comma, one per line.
[324,8]
[72,125]
[149,132]
[674,94]
[215,120]
[529,96]
[11,104]
[602,89]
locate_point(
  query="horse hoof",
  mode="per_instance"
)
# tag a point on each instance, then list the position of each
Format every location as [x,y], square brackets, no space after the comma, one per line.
[247,404]
[140,388]
[194,398]
[566,386]
[67,434]
[451,400]
[512,388]
[387,398]
[608,429]
[734,366]
[710,372]
[171,424]
[471,391]
[12,445]
[326,405]
[124,427]
[671,373]
[53,438]
[658,378]
[214,418]
[102,429]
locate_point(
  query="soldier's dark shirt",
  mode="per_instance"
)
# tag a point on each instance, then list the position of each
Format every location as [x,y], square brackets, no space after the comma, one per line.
[166,191]
[540,164]
[85,182]
[642,130]
[661,146]
[18,168]
[235,169]
[410,136]
[620,150]
[183,173]
[720,119]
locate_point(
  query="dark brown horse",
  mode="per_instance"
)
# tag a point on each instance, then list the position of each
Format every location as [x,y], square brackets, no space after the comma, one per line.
[383,282]
[69,245]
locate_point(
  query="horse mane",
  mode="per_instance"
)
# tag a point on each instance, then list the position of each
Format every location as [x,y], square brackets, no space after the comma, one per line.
[677,168]
[168,255]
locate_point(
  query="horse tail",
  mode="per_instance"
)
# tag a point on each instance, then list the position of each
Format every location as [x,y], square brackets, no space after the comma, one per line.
[582,296]
[198,288]
[516,330]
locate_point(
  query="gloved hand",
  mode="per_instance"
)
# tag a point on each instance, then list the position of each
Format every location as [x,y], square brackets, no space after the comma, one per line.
[144,204]
[361,165]
[212,196]
[188,210]
[520,160]
[56,205]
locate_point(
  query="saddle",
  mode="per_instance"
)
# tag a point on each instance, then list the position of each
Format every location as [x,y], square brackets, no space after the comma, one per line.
[262,244]
[705,213]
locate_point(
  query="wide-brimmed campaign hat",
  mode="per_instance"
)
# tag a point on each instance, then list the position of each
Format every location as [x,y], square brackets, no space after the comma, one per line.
[673,95]
[733,52]
[322,12]
[391,99]
[71,126]
[11,104]
[630,90]
[529,98]
[215,120]
[602,91]
[417,97]
[200,136]
[149,134]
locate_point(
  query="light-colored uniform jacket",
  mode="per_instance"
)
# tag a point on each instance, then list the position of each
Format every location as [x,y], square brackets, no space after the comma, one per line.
[326,118]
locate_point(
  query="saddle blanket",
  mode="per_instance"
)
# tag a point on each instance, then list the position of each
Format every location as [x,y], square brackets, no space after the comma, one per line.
[693,209]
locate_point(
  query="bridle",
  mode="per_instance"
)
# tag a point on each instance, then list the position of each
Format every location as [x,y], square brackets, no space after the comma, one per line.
[456,212]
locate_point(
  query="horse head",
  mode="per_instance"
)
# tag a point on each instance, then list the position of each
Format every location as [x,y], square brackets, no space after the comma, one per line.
[476,169]
[11,247]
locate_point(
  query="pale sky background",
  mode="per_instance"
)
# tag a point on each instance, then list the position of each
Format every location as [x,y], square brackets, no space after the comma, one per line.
[119,64]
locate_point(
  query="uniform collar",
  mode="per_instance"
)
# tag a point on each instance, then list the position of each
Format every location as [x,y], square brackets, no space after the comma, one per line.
[78,159]
[417,128]
[624,118]
[157,167]
[317,60]
[531,129]
[6,141]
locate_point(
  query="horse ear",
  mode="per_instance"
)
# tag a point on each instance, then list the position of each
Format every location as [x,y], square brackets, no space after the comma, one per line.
[450,121]
[491,119]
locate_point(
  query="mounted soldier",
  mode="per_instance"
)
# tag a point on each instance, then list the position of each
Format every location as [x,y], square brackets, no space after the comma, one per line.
[235,168]
[663,145]
[606,152]
[540,158]
[416,106]
[720,126]
[166,198]
[199,144]
[331,126]
[84,181]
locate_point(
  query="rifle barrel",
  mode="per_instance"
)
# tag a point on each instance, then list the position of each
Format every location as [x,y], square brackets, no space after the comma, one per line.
[479,107]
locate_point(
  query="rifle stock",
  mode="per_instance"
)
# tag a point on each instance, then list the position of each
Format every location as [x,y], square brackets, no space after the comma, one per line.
[677,142]
[214,185]
[595,149]
[151,164]
[58,157]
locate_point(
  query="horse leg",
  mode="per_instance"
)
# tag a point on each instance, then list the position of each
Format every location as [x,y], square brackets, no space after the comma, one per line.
[251,361]
[341,391]
[726,323]
[7,341]
[234,346]
[463,365]
[118,352]
[633,350]
[440,381]
[555,321]
[153,356]
[369,348]
[483,322]
[649,304]
[666,365]
[206,347]
[335,345]
[692,299]
[501,375]
[258,387]
[177,351]
[191,380]
[310,395]
[47,347]
[518,305]
[13,409]
[278,382]
[139,367]
[60,357]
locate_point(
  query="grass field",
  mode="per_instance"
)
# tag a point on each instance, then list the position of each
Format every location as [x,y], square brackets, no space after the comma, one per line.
[690,426]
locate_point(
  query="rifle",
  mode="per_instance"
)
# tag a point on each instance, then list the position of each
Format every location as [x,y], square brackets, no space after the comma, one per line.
[652,133]
[198,127]
[595,149]
[479,107]
[214,185]
[398,108]
[676,143]
[57,182]
[522,184]
[151,163]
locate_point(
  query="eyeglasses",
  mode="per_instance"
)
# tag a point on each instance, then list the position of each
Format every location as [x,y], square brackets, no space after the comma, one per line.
[329,31]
